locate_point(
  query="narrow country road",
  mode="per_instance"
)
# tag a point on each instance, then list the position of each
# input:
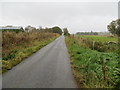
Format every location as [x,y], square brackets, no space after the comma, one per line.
[48,68]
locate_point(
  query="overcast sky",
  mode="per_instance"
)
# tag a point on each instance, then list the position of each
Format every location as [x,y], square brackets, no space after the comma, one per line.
[76,16]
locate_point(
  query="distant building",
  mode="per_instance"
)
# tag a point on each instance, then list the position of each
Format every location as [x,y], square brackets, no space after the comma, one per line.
[11,28]
[30,29]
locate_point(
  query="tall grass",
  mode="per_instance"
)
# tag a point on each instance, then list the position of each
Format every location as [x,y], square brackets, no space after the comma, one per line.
[18,46]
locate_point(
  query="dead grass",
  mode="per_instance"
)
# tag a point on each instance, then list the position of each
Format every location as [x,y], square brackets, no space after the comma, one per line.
[18,46]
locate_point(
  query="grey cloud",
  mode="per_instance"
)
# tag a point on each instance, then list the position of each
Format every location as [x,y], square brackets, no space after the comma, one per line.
[82,16]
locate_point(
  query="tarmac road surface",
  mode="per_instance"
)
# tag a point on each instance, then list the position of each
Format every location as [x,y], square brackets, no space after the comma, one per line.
[47,68]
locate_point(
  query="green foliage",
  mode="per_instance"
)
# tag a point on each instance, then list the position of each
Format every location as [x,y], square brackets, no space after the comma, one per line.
[65,30]
[114,27]
[93,69]
[118,27]
[57,30]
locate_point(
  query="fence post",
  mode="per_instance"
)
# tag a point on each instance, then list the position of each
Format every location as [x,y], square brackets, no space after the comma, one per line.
[93,44]
[103,68]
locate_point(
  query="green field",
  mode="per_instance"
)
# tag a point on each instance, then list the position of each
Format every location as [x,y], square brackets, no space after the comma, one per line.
[91,68]
[99,43]
[100,38]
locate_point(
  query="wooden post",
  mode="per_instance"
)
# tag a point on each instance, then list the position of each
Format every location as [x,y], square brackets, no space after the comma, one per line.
[93,44]
[103,69]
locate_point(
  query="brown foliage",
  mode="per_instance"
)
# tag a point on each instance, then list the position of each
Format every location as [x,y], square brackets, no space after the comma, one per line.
[12,40]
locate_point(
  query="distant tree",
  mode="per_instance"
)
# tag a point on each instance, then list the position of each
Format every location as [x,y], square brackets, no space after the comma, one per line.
[56,29]
[65,30]
[111,27]
[95,33]
[87,33]
[114,27]
[118,27]
[117,30]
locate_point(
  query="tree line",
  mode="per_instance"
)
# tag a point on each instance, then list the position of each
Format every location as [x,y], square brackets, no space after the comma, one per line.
[87,33]
[29,28]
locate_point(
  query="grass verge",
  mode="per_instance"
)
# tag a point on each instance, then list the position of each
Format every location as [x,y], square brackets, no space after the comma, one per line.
[93,69]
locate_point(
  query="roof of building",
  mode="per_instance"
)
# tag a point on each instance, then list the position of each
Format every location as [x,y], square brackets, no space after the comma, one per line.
[10,27]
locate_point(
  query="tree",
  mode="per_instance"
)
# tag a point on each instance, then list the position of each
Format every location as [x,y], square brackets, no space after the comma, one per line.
[65,30]
[114,27]
[118,27]
[56,29]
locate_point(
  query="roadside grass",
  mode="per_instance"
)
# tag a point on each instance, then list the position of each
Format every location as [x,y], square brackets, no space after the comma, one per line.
[92,69]
[18,46]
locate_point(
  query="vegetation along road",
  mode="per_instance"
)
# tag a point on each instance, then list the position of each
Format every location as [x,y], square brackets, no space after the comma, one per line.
[48,68]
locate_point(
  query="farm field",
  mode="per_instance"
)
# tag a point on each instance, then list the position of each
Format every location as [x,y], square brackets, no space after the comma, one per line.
[18,46]
[100,38]
[99,43]
[93,68]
